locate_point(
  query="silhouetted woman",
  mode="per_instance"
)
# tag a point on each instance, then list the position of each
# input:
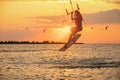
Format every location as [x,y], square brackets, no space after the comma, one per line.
[77,17]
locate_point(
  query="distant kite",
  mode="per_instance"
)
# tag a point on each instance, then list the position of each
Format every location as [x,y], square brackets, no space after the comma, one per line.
[64,21]
[92,27]
[27,28]
[44,29]
[106,28]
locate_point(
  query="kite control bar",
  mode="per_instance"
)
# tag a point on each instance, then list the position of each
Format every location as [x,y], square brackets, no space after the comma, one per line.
[72,8]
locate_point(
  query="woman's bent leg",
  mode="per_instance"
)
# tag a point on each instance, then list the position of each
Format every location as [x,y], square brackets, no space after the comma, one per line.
[73,32]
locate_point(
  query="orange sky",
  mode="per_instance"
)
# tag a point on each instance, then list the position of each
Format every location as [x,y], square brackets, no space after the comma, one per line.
[19,20]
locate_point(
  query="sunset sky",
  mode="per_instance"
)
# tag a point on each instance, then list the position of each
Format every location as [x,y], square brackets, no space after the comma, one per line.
[26,20]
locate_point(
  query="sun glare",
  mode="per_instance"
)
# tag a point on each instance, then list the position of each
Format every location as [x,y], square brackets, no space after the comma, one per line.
[63,33]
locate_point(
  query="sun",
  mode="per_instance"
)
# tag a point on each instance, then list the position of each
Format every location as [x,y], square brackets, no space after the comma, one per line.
[63,33]
[66,28]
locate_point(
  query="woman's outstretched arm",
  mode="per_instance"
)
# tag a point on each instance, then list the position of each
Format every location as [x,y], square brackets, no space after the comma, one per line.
[72,16]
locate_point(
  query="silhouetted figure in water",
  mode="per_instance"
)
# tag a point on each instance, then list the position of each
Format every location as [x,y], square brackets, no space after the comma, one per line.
[77,18]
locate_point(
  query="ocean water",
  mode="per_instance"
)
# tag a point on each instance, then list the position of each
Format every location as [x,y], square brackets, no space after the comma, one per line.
[45,62]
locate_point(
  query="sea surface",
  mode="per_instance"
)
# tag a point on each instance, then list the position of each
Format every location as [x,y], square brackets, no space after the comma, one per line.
[45,62]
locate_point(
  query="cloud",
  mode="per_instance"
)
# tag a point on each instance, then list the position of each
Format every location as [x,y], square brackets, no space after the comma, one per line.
[103,17]
[30,0]
[112,1]
[50,21]
[40,19]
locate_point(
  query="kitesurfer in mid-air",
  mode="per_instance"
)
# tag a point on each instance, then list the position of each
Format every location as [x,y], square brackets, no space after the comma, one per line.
[77,18]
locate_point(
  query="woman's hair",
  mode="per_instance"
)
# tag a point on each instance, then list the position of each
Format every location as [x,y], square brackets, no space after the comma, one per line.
[77,13]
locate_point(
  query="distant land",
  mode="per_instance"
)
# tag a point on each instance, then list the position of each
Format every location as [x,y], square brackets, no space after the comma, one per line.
[33,42]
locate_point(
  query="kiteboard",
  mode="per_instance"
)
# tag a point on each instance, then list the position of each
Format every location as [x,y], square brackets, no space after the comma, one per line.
[72,41]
